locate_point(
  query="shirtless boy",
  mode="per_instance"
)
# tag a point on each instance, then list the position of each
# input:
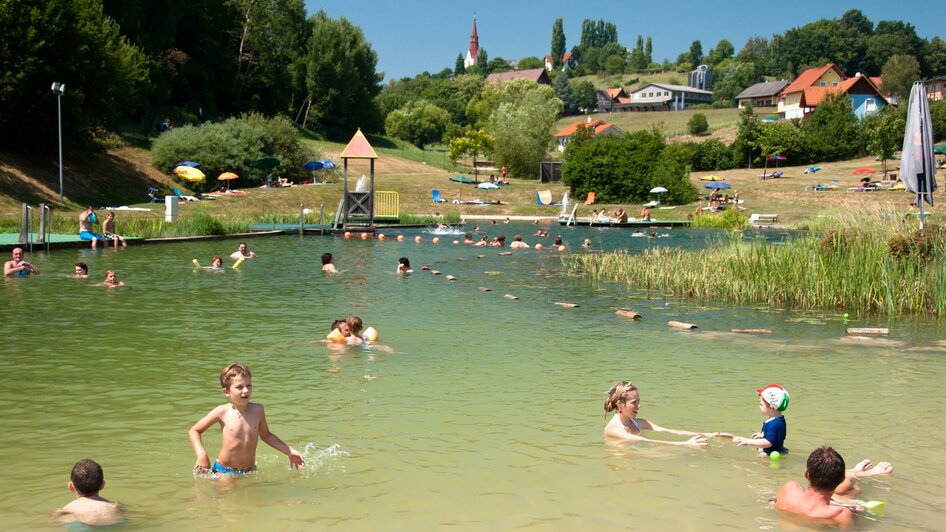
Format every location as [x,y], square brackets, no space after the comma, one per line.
[826,479]
[89,508]
[243,424]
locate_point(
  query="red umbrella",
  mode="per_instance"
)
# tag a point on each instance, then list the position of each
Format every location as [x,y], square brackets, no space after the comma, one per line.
[862,171]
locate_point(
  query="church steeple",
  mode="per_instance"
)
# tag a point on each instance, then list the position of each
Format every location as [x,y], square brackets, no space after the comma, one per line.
[474,48]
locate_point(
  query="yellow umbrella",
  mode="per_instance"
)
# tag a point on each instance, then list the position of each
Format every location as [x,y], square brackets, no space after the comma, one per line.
[712,178]
[189,174]
[227,176]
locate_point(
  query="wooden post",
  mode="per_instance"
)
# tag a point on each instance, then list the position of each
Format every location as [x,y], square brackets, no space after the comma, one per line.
[301,218]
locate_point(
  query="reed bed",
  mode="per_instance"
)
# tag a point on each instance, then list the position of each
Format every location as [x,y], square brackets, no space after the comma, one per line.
[851,270]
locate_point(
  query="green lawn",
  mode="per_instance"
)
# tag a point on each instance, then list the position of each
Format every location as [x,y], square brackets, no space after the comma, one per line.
[673,123]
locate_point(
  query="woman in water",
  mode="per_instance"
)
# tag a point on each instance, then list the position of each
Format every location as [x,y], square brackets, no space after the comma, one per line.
[625,425]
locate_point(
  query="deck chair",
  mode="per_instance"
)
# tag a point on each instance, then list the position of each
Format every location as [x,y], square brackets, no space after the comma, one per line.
[435,193]
[544,198]
[591,198]
[153,197]
[177,192]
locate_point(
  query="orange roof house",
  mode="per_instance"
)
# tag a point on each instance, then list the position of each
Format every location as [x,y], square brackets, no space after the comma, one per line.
[538,75]
[601,129]
[803,95]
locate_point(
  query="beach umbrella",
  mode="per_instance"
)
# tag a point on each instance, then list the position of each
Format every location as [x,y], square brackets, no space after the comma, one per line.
[486,185]
[192,164]
[462,179]
[658,190]
[891,158]
[266,163]
[189,173]
[313,166]
[776,158]
[863,171]
[917,168]
[718,185]
[326,164]
[712,178]
[940,149]
[227,176]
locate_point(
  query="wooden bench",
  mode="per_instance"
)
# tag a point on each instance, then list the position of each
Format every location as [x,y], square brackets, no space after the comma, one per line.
[763,219]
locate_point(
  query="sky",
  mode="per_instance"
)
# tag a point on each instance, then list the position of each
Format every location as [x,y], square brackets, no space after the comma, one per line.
[413,36]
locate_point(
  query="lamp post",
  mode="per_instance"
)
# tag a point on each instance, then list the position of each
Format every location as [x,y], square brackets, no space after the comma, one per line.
[58,89]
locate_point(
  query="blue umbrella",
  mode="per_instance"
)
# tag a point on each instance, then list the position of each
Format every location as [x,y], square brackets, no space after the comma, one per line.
[328,165]
[717,185]
[192,164]
[313,166]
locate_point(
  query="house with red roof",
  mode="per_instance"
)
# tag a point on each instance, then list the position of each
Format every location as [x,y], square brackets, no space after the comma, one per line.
[568,61]
[935,88]
[601,129]
[803,95]
[538,75]
[611,100]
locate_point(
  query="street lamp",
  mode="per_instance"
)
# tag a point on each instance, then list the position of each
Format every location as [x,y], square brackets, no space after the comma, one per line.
[58,89]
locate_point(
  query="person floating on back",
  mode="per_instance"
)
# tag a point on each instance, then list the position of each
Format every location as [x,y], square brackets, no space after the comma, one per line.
[89,508]
[243,424]
[827,482]
[625,425]
[773,400]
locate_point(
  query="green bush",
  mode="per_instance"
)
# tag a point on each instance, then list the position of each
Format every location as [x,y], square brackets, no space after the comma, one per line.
[919,244]
[231,146]
[698,125]
[729,219]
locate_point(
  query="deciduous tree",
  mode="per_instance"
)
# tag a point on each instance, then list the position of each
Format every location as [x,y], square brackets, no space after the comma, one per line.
[419,122]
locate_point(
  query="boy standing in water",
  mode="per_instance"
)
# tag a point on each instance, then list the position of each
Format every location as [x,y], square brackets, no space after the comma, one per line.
[773,400]
[243,424]
[89,508]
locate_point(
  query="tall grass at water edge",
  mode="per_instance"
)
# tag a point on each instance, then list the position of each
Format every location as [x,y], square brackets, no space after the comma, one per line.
[850,269]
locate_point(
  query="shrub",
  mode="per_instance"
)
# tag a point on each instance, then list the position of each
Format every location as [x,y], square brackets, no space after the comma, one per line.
[918,244]
[698,125]
[729,219]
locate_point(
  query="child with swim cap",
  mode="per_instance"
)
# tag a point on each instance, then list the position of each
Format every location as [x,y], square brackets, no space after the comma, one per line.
[773,400]
[243,424]
[89,508]
[625,425]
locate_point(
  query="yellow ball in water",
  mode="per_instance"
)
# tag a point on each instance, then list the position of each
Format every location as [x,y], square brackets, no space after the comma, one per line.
[845,315]
[775,456]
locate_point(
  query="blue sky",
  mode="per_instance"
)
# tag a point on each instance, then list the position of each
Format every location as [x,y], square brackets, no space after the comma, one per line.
[411,36]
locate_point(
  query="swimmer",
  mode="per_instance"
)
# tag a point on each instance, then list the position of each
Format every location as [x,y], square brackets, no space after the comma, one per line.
[558,241]
[476,229]
[242,252]
[404,266]
[468,239]
[517,243]
[216,263]
[328,263]
[538,233]
[81,270]
[638,234]
[354,326]
[506,220]
[17,266]
[89,508]
[243,424]
[499,241]
[483,241]
[625,425]
[111,280]
[586,243]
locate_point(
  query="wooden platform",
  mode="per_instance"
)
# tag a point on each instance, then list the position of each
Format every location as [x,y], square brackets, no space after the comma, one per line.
[630,223]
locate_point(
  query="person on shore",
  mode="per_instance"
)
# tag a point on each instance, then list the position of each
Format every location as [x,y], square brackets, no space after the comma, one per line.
[17,266]
[111,280]
[86,232]
[242,252]
[822,502]
[517,243]
[81,270]
[773,400]
[243,424]
[108,230]
[625,425]
[503,172]
[645,214]
[89,508]
[468,239]
[404,266]
[620,215]
[328,263]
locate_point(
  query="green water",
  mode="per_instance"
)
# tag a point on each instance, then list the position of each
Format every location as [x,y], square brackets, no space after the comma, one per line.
[486,414]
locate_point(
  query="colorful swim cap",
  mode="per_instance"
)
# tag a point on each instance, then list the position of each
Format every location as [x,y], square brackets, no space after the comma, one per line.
[774,395]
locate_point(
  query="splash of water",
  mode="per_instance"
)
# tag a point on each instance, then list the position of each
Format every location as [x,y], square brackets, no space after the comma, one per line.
[322,463]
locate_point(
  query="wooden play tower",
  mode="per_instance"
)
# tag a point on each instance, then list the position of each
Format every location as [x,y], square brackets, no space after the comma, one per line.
[359,206]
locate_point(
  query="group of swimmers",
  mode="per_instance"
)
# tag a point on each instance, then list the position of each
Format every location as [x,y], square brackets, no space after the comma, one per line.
[827,498]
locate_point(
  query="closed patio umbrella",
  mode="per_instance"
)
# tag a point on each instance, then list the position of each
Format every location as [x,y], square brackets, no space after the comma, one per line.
[917,167]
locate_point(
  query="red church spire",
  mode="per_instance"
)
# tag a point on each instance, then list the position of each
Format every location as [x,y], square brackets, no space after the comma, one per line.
[474,42]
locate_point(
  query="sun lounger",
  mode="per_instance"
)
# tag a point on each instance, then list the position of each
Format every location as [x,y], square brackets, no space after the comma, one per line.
[763,219]
[591,198]
[436,196]
[652,204]
[177,192]
[544,198]
[153,197]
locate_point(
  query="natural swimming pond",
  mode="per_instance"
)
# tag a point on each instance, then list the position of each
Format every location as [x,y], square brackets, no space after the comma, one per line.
[487,414]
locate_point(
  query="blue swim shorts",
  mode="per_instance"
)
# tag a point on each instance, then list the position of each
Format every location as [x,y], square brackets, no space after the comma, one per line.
[220,469]
[86,235]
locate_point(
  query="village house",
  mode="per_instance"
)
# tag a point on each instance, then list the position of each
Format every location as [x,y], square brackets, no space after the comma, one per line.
[538,75]
[763,94]
[601,129]
[612,100]
[666,97]
[935,88]
[803,95]
[568,61]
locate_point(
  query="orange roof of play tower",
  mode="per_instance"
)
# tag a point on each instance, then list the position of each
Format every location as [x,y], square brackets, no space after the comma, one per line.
[359,148]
